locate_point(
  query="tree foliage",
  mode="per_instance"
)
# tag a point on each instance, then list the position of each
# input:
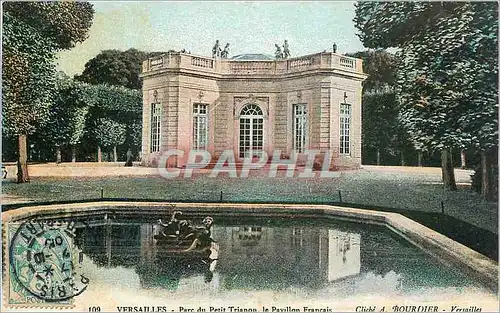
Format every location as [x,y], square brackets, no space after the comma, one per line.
[379,106]
[27,77]
[69,111]
[382,132]
[62,23]
[380,66]
[446,81]
[134,135]
[32,33]
[109,132]
[379,118]
[114,67]
[450,96]
[117,107]
[123,103]
[114,73]
[447,76]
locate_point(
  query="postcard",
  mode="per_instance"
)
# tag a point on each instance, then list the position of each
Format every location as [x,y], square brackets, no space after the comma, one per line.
[249,156]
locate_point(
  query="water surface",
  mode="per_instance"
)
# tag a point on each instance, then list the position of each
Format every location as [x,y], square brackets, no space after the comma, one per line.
[269,261]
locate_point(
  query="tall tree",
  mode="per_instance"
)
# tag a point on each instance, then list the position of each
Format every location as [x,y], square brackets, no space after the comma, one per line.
[114,67]
[114,105]
[32,33]
[379,122]
[27,84]
[109,133]
[116,76]
[134,137]
[382,132]
[380,66]
[68,112]
[446,82]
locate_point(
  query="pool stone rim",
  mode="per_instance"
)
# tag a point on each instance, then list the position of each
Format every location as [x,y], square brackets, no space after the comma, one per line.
[442,248]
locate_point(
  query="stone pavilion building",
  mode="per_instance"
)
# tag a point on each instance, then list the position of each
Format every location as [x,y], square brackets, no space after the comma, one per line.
[252,102]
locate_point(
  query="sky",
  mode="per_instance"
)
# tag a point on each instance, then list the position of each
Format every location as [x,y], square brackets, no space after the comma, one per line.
[249,27]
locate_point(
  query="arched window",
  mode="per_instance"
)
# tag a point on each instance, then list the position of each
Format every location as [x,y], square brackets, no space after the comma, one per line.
[251,130]
[251,109]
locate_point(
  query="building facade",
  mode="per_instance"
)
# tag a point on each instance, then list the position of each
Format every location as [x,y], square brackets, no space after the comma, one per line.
[252,103]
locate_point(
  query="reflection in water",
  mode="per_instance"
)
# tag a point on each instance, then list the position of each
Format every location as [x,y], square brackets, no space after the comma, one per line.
[181,249]
[167,270]
[344,254]
[260,257]
[265,256]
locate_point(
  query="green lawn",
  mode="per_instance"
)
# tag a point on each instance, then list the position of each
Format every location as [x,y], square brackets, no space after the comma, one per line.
[393,190]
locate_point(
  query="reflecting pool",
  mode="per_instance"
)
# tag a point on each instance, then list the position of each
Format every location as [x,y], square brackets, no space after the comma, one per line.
[283,263]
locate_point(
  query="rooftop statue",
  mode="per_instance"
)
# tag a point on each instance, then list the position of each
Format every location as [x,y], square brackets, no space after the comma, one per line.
[216,50]
[225,53]
[286,51]
[278,54]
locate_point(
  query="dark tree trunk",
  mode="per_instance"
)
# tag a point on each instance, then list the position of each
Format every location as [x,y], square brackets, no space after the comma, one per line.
[451,156]
[115,155]
[463,159]
[99,154]
[73,153]
[420,158]
[447,170]
[58,155]
[486,176]
[22,160]
[378,156]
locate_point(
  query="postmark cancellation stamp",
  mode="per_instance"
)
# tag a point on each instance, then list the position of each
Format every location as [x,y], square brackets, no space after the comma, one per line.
[41,264]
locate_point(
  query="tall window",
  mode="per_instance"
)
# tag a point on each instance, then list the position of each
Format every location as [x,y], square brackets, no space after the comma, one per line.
[299,127]
[345,125]
[251,131]
[200,127]
[155,126]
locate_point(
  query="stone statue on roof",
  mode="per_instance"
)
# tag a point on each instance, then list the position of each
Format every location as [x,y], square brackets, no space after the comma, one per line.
[216,50]
[225,53]
[286,51]
[278,54]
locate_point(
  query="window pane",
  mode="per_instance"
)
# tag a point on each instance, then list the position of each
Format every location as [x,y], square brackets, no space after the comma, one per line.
[299,127]
[345,121]
[200,126]
[251,130]
[155,127]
